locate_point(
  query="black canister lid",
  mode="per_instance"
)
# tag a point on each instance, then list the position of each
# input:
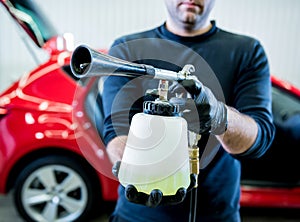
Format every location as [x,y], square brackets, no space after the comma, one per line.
[160,108]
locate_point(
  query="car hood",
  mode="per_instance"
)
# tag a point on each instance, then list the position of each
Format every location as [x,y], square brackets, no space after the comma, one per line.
[49,86]
[35,24]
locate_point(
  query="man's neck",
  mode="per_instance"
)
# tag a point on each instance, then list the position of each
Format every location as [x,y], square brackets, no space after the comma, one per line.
[187,31]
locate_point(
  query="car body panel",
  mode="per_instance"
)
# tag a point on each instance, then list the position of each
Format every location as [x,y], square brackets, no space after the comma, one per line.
[293,90]
[270,197]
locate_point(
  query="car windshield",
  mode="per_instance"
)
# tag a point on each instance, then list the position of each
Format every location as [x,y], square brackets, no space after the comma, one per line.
[286,112]
[284,104]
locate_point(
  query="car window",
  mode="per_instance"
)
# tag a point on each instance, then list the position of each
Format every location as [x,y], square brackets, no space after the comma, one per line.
[94,107]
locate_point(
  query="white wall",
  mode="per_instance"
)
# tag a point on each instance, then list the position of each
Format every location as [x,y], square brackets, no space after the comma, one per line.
[97,22]
[275,23]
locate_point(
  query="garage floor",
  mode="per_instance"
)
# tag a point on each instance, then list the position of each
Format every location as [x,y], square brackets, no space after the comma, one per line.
[8,214]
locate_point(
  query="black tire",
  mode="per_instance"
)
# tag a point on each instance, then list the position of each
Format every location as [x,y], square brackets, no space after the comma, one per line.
[56,188]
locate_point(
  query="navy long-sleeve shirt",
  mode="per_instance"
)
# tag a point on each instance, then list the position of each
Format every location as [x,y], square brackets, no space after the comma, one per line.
[235,68]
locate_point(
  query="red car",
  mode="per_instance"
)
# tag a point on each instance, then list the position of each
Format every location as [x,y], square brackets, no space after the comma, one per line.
[50,151]
[274,180]
[52,155]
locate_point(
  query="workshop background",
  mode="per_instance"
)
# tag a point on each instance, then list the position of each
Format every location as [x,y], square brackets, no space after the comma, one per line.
[96,23]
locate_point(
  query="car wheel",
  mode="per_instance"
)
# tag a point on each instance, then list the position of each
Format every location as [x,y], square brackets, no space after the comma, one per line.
[55,188]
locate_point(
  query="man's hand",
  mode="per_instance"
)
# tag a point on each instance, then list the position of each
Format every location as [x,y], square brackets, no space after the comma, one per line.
[207,114]
[156,197]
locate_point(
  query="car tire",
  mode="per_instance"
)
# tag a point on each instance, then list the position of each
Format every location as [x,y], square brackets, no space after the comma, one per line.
[56,188]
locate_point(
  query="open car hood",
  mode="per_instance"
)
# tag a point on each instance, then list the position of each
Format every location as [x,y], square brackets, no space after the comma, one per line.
[32,21]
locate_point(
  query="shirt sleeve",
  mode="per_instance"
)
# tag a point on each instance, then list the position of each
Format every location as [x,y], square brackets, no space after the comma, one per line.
[253,97]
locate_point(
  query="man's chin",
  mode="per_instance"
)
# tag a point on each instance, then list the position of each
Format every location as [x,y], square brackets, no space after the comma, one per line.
[190,18]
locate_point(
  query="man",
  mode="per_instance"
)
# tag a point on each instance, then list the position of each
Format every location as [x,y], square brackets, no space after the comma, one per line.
[236,66]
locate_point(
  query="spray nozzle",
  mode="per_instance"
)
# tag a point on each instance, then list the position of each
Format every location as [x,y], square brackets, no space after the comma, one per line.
[187,70]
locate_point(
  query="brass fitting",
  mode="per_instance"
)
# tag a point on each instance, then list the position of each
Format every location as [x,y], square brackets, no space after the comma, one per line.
[194,159]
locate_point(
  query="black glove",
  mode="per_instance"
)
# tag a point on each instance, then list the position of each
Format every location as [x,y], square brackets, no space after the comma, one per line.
[156,197]
[207,114]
